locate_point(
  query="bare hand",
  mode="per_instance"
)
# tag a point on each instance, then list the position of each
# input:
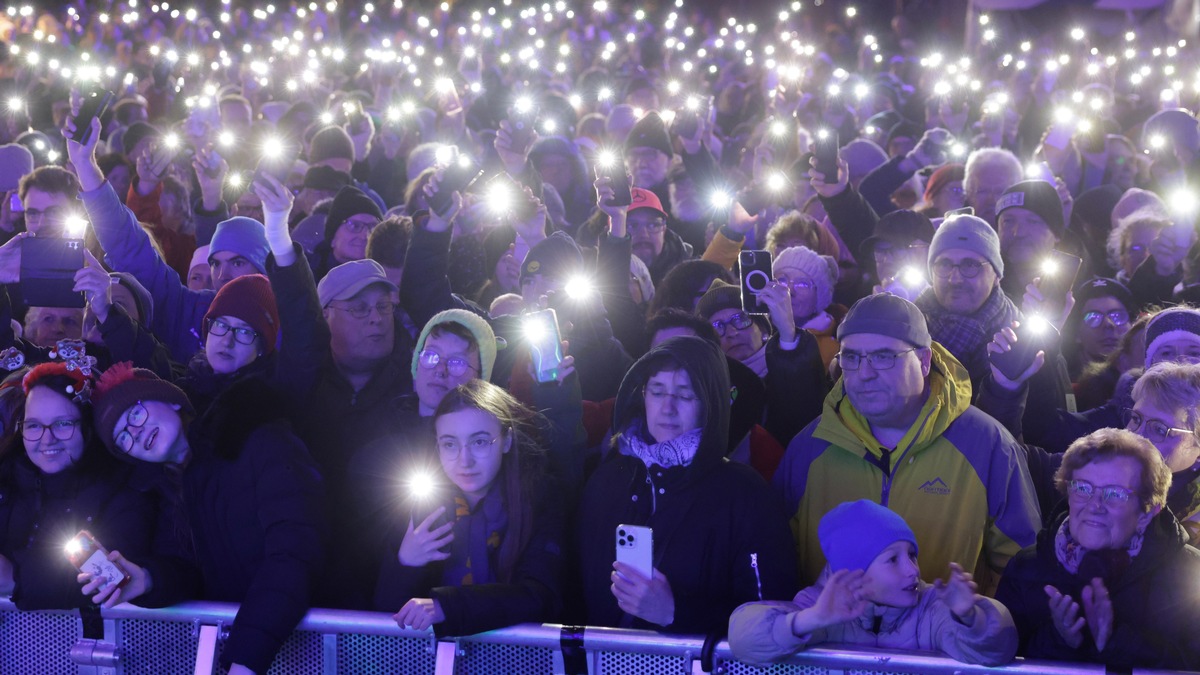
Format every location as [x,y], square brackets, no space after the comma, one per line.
[96,286]
[1098,609]
[276,198]
[841,598]
[419,614]
[959,593]
[616,214]
[647,599]
[438,223]
[818,179]
[83,156]
[1036,304]
[511,156]
[1003,342]
[778,299]
[1064,613]
[108,595]
[10,259]
[422,545]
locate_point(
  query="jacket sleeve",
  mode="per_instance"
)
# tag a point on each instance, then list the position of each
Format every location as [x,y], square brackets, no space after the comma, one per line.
[851,216]
[424,286]
[562,405]
[1149,288]
[178,311]
[1014,518]
[796,386]
[128,340]
[612,267]
[533,596]
[877,187]
[305,335]
[724,248]
[760,633]
[206,221]
[989,640]
[397,584]
[291,514]
[173,571]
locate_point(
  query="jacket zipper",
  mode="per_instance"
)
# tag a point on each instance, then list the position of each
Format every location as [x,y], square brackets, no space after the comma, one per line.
[653,492]
[757,578]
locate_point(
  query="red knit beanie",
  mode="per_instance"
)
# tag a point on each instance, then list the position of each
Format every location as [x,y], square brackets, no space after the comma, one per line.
[946,174]
[250,299]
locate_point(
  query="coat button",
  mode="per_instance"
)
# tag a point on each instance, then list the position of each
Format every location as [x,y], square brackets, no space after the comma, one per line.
[634,498]
[662,491]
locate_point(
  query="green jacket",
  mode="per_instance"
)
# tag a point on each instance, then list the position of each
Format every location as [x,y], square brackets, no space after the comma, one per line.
[957,477]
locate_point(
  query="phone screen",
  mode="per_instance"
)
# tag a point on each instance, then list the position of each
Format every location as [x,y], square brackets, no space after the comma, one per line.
[545,343]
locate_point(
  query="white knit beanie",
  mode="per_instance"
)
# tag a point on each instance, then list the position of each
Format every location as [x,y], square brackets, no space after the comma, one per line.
[821,269]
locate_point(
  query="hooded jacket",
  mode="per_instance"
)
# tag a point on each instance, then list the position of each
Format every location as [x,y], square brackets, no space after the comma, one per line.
[720,538]
[957,477]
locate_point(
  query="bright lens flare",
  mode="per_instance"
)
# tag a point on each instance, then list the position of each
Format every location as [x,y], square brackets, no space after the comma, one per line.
[578,287]
[421,485]
[1049,268]
[73,546]
[76,225]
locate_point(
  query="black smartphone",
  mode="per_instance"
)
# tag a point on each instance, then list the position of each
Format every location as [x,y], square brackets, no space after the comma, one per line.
[780,137]
[459,175]
[825,149]
[95,104]
[278,167]
[1058,272]
[522,118]
[755,272]
[48,267]
[166,152]
[545,343]
[512,203]
[612,168]
[687,119]
[1033,335]
[356,117]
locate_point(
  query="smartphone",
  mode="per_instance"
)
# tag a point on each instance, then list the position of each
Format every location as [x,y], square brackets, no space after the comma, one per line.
[687,119]
[48,267]
[825,149]
[755,266]
[781,138]
[1060,134]
[164,154]
[459,175]
[519,208]
[521,120]
[621,181]
[1033,335]
[1040,171]
[635,547]
[422,493]
[95,104]
[545,343]
[14,202]
[87,555]
[162,73]
[1058,278]
[356,117]
[277,168]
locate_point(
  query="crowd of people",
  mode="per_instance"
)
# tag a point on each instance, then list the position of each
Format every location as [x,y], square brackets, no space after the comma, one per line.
[648,316]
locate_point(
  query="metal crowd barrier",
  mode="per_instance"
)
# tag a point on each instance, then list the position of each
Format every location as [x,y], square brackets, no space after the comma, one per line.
[186,640]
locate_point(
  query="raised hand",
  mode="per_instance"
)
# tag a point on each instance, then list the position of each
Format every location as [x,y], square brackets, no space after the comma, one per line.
[959,593]
[1064,613]
[1098,611]
[649,599]
[422,545]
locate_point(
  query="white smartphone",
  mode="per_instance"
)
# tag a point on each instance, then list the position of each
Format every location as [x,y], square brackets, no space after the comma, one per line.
[635,547]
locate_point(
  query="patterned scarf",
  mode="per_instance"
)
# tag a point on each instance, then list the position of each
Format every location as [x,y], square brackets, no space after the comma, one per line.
[1106,564]
[966,336]
[679,451]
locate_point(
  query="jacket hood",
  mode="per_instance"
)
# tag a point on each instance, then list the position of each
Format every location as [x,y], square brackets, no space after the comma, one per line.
[705,365]
[949,397]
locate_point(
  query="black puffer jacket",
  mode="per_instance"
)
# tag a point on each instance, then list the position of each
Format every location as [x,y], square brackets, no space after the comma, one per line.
[720,536]
[1156,601]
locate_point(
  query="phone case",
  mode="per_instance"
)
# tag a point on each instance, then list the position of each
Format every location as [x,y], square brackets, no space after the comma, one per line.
[545,344]
[635,547]
[620,181]
[460,175]
[1054,287]
[95,104]
[755,269]
[826,152]
[48,267]
[87,555]
[1014,362]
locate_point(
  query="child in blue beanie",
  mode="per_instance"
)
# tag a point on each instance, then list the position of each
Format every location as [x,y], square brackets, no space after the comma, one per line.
[871,594]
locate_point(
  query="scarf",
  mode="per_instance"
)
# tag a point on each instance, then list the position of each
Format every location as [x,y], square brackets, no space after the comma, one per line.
[967,336]
[679,451]
[758,362]
[1106,564]
[477,535]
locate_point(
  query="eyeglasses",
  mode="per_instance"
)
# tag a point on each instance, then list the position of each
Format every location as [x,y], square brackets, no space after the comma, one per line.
[362,310]
[1156,431]
[136,417]
[739,321]
[1118,317]
[653,226]
[359,226]
[797,284]
[662,394]
[1111,496]
[456,365]
[878,360]
[450,449]
[219,328]
[32,431]
[969,269]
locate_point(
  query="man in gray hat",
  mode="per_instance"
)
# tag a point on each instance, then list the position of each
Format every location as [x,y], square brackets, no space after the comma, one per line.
[899,429]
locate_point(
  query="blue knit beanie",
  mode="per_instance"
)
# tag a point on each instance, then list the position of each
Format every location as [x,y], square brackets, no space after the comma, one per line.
[244,236]
[853,534]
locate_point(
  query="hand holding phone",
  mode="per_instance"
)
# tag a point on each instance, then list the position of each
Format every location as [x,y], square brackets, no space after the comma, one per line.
[1058,274]
[825,150]
[609,166]
[89,557]
[424,541]
[545,344]
[522,118]
[48,267]
[459,174]
[1032,336]
[94,105]
[635,547]
[755,274]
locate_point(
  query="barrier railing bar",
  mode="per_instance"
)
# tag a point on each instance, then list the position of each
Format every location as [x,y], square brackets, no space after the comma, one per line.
[206,650]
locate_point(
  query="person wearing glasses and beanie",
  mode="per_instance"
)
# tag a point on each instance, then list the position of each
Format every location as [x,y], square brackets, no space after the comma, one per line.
[247,489]
[899,429]
[1112,579]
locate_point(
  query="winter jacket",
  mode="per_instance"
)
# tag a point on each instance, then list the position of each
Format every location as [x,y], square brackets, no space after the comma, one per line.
[761,632]
[720,537]
[674,251]
[178,310]
[1156,601]
[532,595]
[796,385]
[957,477]
[852,217]
[255,505]
[877,187]
[40,512]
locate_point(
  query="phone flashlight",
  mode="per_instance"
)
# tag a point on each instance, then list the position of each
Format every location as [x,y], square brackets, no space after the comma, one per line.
[911,276]
[1157,142]
[606,159]
[535,331]
[720,200]
[822,134]
[579,287]
[16,104]
[272,148]
[1063,115]
[75,225]
[235,180]
[500,198]
[226,139]
[523,104]
[421,485]
[326,117]
[1037,324]
[444,155]
[171,140]
[1049,267]
[444,85]
[73,547]
[1182,202]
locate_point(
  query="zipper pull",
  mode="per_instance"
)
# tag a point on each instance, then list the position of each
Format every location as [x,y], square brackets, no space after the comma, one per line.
[757,577]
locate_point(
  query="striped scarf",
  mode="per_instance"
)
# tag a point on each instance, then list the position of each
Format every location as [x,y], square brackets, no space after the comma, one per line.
[966,336]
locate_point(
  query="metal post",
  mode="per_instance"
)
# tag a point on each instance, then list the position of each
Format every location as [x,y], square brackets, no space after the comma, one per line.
[329,654]
[446,653]
[206,650]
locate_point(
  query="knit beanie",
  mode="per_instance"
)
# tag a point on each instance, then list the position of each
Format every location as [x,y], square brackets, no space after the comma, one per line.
[141,296]
[349,201]
[970,233]
[650,132]
[945,174]
[853,534]
[889,315]
[332,142]
[862,156]
[134,134]
[325,178]
[1171,324]
[485,338]
[244,236]
[555,256]
[1038,196]
[720,295]
[120,387]
[250,299]
[1102,287]
[15,163]
[199,257]
[822,270]
[905,129]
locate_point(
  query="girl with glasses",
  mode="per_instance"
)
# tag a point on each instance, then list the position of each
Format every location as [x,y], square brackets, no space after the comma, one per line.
[55,480]
[482,545]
